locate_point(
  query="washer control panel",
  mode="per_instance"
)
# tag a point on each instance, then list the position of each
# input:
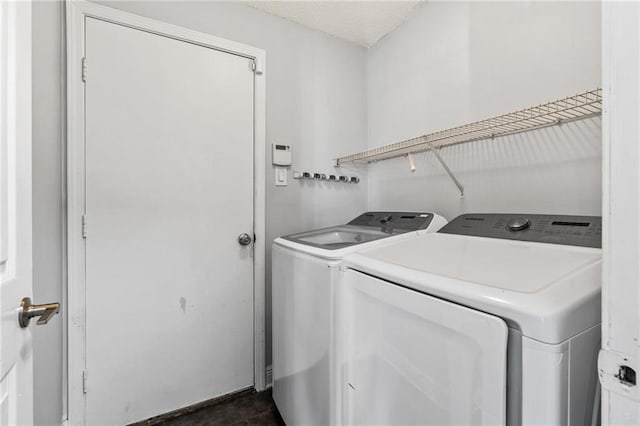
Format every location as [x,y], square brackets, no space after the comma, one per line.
[396,222]
[584,231]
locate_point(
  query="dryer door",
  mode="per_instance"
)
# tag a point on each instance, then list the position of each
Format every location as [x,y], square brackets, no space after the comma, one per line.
[414,359]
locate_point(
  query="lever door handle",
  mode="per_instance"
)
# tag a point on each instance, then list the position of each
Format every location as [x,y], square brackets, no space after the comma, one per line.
[28,310]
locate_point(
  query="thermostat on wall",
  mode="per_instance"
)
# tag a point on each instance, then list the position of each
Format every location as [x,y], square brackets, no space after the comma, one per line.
[281,155]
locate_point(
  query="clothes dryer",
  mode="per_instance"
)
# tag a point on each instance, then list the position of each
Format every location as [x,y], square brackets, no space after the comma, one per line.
[493,320]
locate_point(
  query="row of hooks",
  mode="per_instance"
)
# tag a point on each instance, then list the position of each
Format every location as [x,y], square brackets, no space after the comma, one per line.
[323,176]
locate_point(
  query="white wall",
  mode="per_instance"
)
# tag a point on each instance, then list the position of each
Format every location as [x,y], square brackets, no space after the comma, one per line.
[316,101]
[453,63]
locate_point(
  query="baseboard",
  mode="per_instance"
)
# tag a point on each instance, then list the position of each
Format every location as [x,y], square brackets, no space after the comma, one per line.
[269,377]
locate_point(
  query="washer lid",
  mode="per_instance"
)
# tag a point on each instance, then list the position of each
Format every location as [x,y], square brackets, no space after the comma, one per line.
[367,230]
[549,291]
[335,253]
[509,265]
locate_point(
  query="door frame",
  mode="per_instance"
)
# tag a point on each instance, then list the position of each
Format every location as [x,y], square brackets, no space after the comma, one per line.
[620,210]
[76,12]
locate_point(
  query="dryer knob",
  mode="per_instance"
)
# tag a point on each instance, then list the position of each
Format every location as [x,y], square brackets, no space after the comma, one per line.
[518,224]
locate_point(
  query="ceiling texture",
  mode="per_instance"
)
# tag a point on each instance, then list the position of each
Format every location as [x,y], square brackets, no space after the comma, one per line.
[362,22]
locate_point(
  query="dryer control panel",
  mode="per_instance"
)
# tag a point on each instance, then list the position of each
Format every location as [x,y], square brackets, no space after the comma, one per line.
[583,231]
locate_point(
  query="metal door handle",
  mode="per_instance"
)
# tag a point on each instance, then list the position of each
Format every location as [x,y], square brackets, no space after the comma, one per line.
[29,310]
[244,239]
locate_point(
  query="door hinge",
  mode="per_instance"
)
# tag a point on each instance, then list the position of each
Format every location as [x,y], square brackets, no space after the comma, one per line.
[256,66]
[84,381]
[84,69]
[84,226]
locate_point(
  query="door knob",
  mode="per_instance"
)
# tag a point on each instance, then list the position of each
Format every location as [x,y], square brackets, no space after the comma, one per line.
[244,239]
[28,310]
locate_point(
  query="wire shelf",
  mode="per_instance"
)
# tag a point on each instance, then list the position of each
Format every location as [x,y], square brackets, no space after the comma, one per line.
[576,107]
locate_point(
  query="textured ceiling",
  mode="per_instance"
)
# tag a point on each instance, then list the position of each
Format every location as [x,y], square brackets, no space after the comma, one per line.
[361,22]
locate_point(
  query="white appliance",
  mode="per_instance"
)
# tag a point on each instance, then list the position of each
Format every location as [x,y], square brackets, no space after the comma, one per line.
[305,280]
[493,320]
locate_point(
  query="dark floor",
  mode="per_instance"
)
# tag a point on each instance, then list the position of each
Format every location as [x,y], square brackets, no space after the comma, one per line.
[244,408]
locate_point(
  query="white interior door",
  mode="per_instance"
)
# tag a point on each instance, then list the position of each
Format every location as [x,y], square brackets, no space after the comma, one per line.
[412,359]
[169,188]
[16,350]
[621,209]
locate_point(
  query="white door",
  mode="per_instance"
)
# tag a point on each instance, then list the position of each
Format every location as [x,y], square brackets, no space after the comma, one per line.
[412,359]
[169,188]
[16,350]
[619,361]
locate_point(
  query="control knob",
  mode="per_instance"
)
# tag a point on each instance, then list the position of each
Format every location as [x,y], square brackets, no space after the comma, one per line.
[386,219]
[518,224]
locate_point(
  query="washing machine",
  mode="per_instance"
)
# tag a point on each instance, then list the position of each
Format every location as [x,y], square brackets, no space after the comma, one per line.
[305,280]
[493,320]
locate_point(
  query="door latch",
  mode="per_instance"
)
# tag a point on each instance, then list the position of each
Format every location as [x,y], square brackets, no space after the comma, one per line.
[617,372]
[626,375]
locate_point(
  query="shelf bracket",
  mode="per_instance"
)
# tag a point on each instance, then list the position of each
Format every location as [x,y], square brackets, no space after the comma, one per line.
[446,168]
